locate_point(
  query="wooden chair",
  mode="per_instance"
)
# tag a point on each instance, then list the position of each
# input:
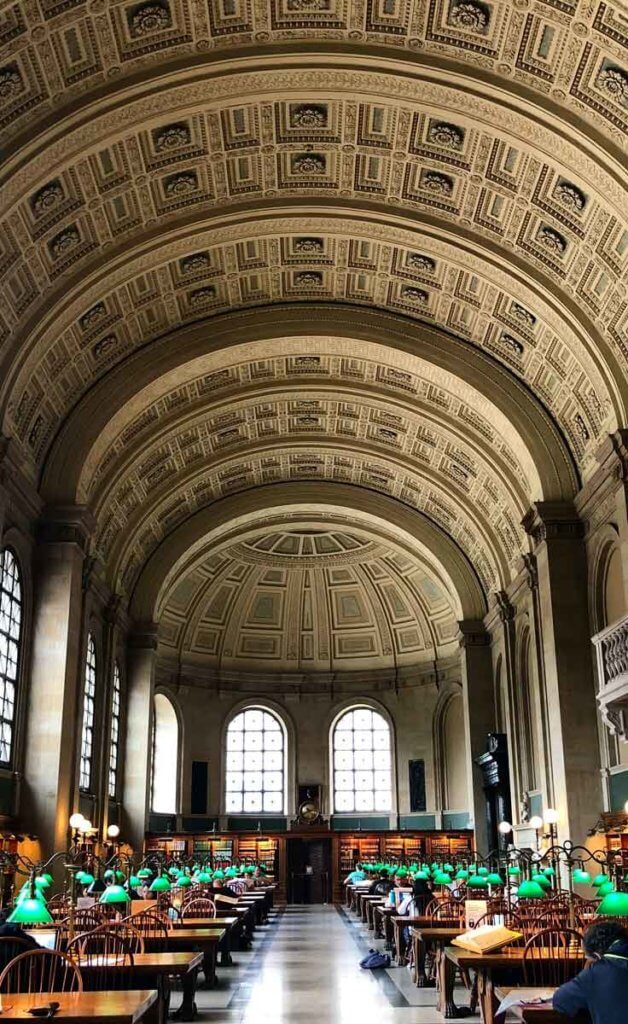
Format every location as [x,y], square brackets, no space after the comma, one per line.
[448,910]
[199,907]
[93,950]
[58,906]
[131,935]
[548,959]
[150,926]
[41,971]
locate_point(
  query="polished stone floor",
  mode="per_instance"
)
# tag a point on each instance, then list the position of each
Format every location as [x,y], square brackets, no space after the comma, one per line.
[304,967]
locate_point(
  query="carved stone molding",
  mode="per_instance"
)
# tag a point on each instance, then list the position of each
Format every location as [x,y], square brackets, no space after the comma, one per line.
[553,520]
[67,525]
[472,634]
[143,636]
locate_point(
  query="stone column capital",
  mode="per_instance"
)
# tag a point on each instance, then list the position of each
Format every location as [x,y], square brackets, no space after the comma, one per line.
[144,636]
[552,520]
[472,633]
[67,524]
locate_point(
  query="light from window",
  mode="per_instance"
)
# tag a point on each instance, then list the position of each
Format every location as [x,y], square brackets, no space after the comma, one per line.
[115,732]
[10,643]
[89,697]
[362,762]
[255,762]
[165,756]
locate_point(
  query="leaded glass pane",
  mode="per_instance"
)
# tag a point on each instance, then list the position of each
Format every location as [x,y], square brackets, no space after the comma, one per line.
[10,641]
[89,698]
[362,762]
[255,763]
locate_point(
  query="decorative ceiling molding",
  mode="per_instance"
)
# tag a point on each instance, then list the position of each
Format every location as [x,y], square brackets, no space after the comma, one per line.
[60,55]
[311,598]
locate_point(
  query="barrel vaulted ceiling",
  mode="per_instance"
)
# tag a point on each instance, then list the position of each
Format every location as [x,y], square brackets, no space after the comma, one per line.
[421,203]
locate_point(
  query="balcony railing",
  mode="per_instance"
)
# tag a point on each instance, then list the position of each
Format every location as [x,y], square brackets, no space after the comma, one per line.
[611,646]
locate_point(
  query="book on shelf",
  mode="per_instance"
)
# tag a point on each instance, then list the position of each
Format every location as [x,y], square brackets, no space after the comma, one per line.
[486,939]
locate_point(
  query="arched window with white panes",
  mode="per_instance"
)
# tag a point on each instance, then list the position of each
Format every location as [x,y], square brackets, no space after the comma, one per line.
[114,743]
[255,777]
[10,648]
[89,705]
[165,767]
[361,750]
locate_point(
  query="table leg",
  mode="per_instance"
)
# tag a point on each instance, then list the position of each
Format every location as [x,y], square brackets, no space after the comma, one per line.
[187,1010]
[209,966]
[487,1000]
[225,950]
[420,978]
[445,979]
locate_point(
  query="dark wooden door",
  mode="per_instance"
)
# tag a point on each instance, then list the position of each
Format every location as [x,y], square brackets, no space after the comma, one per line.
[309,870]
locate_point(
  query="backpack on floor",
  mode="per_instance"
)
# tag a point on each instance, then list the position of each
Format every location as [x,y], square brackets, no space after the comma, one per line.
[374,959]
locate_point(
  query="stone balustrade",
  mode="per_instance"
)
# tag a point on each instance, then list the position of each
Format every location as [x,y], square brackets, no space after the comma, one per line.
[611,646]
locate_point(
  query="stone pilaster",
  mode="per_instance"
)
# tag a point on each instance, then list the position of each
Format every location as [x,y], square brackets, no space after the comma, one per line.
[53,728]
[141,660]
[567,683]
[479,719]
[110,627]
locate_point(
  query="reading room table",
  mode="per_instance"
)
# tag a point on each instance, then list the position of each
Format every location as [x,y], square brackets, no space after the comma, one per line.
[538,1013]
[489,967]
[435,937]
[124,1007]
[191,939]
[155,968]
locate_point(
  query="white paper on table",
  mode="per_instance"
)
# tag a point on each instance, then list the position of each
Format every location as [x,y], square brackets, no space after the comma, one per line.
[518,996]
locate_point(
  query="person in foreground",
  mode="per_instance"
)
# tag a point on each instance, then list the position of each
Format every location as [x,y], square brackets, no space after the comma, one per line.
[602,987]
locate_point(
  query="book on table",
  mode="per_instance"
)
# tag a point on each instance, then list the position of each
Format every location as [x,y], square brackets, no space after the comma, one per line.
[486,939]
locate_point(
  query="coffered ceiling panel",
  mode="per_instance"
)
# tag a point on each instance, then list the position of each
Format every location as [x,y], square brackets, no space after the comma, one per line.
[308,600]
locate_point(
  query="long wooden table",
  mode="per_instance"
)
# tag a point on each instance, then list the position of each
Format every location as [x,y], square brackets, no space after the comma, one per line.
[436,937]
[538,1013]
[123,1007]
[205,940]
[154,967]
[488,966]
[230,925]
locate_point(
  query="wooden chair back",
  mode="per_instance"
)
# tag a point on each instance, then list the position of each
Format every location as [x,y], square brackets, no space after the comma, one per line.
[10,947]
[199,907]
[548,957]
[59,906]
[41,971]
[130,934]
[93,950]
[448,910]
[153,925]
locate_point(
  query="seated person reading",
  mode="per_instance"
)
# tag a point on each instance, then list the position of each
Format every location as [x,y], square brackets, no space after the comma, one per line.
[602,987]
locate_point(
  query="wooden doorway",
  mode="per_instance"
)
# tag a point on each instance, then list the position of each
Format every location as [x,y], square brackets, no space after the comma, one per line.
[309,870]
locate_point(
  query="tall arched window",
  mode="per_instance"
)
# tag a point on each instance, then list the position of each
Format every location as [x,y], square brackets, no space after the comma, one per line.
[255,781]
[165,756]
[10,644]
[362,761]
[89,699]
[115,732]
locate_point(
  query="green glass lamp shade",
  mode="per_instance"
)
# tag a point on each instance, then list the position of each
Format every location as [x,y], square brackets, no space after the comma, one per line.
[174,871]
[615,904]
[580,876]
[600,879]
[402,872]
[145,873]
[549,872]
[220,873]
[108,875]
[495,879]
[204,877]
[605,889]
[423,874]
[79,876]
[42,882]
[478,881]
[183,881]
[232,872]
[448,867]
[120,876]
[114,894]
[483,871]
[514,871]
[160,884]
[133,882]
[442,878]
[530,890]
[30,911]
[48,877]
[87,878]
[251,870]
[542,880]
[26,894]
[461,875]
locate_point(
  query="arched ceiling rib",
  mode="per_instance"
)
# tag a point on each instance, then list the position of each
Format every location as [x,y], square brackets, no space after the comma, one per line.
[565,56]
[297,505]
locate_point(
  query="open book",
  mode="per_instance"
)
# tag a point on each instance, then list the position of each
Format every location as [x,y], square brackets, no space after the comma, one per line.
[486,938]
[223,898]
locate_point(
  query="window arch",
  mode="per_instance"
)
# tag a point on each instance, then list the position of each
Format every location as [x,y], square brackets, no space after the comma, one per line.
[89,702]
[11,608]
[361,761]
[165,756]
[114,742]
[255,777]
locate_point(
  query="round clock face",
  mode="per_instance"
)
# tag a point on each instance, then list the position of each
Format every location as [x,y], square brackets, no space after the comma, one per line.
[308,810]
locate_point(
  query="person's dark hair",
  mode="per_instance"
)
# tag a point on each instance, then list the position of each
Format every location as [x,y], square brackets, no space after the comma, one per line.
[599,937]
[420,888]
[358,867]
[383,874]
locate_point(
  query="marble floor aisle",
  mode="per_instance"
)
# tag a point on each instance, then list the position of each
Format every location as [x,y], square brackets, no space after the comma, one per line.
[304,968]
